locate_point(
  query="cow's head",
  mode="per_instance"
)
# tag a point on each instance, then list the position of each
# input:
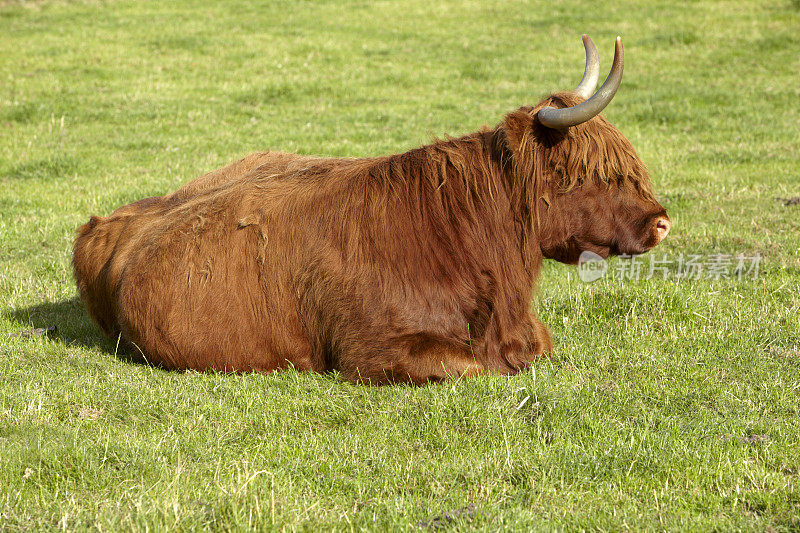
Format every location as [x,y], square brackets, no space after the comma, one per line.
[588,190]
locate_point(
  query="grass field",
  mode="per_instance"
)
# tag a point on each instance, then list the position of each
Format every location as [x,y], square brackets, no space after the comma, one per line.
[669,404]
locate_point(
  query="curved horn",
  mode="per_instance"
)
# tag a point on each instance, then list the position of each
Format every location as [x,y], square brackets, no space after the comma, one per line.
[572,116]
[591,74]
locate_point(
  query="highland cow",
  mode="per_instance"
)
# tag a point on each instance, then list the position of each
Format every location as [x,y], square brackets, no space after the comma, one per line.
[413,267]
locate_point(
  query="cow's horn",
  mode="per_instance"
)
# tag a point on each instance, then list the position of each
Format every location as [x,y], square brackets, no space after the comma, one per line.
[592,71]
[572,116]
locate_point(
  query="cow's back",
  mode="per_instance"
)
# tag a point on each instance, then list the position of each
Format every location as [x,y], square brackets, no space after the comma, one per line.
[272,162]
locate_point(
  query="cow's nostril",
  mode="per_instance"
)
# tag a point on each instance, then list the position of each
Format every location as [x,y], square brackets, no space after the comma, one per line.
[662,227]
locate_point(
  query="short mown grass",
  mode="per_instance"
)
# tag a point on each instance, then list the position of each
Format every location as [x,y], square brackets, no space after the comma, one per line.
[669,404]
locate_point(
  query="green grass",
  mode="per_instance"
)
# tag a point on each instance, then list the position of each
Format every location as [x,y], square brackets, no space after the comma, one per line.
[667,404]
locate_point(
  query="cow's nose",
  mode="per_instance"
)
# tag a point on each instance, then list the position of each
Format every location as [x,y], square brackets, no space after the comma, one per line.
[662,227]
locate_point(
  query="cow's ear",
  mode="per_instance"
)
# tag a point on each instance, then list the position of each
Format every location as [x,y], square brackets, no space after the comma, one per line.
[519,128]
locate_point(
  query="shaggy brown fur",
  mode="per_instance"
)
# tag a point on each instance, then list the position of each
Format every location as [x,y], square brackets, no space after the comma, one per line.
[413,267]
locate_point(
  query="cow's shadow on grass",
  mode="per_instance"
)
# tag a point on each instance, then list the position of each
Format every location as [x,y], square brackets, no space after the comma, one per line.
[75,328]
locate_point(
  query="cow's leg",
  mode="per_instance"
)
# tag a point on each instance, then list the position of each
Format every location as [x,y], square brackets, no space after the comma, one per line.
[523,344]
[419,362]
[188,301]
[542,340]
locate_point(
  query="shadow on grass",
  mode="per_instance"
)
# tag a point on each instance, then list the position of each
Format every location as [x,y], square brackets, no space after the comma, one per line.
[74,326]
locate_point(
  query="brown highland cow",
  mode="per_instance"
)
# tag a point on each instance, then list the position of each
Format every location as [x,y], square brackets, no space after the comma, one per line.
[412,267]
